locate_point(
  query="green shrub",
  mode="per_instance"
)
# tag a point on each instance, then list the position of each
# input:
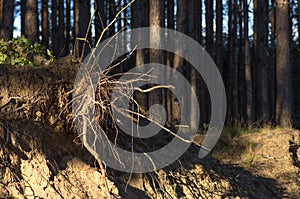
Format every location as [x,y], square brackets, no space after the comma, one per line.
[20,51]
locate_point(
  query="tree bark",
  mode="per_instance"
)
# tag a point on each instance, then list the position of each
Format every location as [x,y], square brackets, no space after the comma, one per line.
[112,14]
[248,76]
[6,19]
[54,28]
[228,75]
[178,61]
[61,30]
[155,56]
[29,18]
[170,57]
[298,23]
[45,23]
[100,18]
[191,71]
[241,67]
[137,13]
[82,30]
[273,64]
[233,53]
[219,35]
[283,66]
[209,28]
[260,62]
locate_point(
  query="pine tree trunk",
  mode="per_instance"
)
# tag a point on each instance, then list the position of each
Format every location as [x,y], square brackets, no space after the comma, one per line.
[178,61]
[137,14]
[260,62]
[61,30]
[30,20]
[45,23]
[82,32]
[6,18]
[273,64]
[241,67]
[170,56]
[283,66]
[298,23]
[233,53]
[248,75]
[219,36]
[155,56]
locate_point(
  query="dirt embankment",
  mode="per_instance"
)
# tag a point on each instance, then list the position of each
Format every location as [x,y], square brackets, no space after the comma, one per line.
[39,158]
[36,162]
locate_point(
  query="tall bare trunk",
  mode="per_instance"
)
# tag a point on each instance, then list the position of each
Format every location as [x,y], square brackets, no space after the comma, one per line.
[68,25]
[6,18]
[61,30]
[29,25]
[241,66]
[248,76]
[45,23]
[54,28]
[273,64]
[260,62]
[178,61]
[235,95]
[155,56]
[298,23]
[112,14]
[169,59]
[191,71]
[137,14]
[219,36]
[283,66]
[82,19]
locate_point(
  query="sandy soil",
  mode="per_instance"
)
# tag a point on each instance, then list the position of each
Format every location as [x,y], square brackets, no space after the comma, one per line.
[36,162]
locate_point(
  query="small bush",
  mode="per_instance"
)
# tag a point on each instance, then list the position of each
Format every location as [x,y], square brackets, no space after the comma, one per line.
[20,51]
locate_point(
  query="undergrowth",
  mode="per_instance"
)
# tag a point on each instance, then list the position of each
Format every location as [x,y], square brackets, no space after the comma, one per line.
[20,51]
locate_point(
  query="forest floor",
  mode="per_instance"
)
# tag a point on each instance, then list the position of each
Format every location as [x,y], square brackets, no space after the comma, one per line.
[36,162]
[42,161]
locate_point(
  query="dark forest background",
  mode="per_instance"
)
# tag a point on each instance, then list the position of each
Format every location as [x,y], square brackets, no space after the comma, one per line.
[255,44]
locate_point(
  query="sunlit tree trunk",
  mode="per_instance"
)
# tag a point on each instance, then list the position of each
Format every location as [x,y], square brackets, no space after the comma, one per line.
[29,21]
[191,71]
[178,61]
[283,66]
[155,56]
[45,23]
